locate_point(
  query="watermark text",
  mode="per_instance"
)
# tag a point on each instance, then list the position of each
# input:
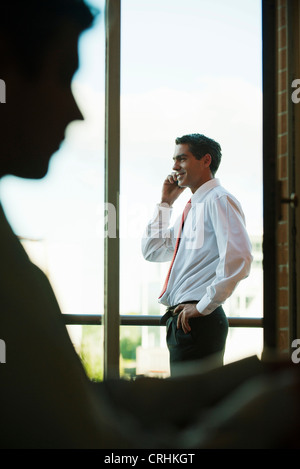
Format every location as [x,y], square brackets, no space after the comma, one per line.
[151,458]
[134,224]
[2,91]
[296,353]
[2,351]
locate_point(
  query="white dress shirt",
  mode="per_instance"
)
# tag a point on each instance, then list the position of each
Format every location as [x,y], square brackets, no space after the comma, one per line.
[214,252]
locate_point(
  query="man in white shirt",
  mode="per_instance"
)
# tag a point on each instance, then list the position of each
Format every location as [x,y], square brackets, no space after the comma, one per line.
[214,252]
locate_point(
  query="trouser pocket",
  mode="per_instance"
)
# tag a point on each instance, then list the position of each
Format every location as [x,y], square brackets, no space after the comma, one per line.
[176,336]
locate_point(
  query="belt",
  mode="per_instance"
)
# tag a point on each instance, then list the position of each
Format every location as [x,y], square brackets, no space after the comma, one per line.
[171,311]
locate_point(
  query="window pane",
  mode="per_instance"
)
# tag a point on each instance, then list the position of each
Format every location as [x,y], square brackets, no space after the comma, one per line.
[192,66]
[243,342]
[91,351]
[144,351]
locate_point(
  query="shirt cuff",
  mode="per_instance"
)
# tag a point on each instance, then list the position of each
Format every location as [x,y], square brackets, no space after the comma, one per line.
[206,306]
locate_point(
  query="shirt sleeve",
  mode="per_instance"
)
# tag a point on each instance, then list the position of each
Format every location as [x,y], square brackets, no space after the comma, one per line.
[158,239]
[234,248]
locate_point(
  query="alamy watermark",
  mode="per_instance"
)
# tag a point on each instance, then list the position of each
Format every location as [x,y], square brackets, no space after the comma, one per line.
[133,223]
[296,353]
[2,351]
[2,92]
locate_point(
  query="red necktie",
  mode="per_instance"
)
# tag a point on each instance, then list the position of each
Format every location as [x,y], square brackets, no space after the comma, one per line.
[184,215]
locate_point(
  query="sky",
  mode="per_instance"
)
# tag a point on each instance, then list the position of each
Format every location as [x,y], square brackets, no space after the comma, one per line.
[186,66]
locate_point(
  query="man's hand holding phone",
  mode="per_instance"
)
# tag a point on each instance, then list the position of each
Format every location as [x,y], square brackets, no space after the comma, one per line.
[171,190]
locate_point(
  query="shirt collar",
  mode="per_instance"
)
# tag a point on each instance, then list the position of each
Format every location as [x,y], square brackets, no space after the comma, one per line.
[202,190]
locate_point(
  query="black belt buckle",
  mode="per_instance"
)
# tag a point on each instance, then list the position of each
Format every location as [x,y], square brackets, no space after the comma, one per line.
[169,313]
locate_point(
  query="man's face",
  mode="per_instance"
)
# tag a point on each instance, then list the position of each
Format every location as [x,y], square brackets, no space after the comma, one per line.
[189,171]
[37,111]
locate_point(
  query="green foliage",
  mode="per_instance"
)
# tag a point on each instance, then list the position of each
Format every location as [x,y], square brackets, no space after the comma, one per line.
[130,339]
[91,352]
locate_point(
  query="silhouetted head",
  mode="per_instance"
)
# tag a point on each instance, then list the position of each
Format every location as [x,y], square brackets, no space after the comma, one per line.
[39,56]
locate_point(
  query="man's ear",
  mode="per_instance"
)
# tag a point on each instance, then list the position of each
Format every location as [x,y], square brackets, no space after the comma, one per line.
[207,159]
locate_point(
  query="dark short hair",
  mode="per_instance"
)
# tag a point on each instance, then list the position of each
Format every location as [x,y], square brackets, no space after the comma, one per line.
[27,27]
[200,145]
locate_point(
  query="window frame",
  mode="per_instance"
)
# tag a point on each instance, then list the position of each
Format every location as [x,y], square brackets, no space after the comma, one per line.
[111,319]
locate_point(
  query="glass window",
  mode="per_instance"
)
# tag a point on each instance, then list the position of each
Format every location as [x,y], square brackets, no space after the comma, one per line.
[192,66]
[187,66]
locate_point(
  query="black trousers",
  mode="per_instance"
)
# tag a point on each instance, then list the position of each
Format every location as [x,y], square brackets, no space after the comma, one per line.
[207,337]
